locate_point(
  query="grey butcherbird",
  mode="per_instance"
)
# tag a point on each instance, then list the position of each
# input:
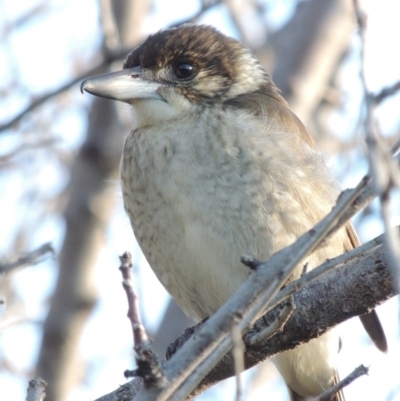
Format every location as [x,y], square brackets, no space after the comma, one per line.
[218,166]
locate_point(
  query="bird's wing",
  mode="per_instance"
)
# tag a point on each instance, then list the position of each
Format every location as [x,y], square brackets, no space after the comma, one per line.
[270,106]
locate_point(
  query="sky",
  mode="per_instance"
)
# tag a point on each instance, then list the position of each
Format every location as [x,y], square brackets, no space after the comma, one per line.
[43,62]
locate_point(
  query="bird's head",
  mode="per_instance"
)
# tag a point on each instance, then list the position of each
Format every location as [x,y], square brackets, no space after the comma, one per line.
[181,69]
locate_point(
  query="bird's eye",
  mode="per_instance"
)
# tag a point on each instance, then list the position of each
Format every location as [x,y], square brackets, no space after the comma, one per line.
[184,70]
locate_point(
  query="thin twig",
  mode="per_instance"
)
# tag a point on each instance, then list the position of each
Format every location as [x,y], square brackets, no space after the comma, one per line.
[43,99]
[386,92]
[138,331]
[238,357]
[357,372]
[30,258]
[149,366]
[36,389]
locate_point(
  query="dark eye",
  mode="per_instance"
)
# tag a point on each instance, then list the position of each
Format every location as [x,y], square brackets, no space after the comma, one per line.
[184,70]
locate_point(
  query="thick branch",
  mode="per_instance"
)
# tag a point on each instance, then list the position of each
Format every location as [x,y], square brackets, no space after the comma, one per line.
[352,289]
[354,284]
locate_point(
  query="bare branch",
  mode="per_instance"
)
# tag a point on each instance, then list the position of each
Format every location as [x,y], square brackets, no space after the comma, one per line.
[139,332]
[386,92]
[119,55]
[30,258]
[149,367]
[357,372]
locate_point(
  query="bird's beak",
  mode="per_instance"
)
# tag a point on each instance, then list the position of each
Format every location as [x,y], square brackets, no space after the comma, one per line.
[124,85]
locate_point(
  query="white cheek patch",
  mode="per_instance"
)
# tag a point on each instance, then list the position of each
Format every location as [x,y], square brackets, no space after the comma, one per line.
[153,112]
[250,76]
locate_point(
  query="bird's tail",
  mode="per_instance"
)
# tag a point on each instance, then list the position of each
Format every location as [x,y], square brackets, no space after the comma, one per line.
[337,397]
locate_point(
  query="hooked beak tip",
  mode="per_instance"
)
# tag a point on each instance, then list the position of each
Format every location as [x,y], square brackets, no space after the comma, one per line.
[82,87]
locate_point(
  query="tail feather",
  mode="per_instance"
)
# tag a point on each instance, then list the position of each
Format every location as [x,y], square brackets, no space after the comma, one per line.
[337,397]
[373,327]
[370,321]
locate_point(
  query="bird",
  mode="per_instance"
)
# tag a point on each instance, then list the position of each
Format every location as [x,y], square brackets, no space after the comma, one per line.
[217,166]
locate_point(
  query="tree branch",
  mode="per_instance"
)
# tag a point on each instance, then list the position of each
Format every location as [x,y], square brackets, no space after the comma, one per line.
[386,92]
[31,258]
[343,291]
[339,289]
[97,69]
